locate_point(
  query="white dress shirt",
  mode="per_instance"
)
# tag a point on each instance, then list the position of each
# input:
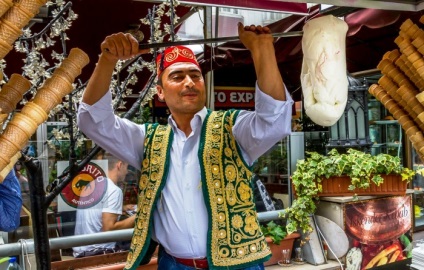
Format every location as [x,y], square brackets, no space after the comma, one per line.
[181,217]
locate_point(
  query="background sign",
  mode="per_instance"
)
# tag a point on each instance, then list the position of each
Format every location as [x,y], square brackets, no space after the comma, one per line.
[86,189]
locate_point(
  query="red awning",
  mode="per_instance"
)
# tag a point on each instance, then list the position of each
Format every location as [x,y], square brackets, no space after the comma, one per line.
[371,34]
[266,5]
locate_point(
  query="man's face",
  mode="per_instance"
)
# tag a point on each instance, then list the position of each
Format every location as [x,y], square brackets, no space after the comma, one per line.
[183,88]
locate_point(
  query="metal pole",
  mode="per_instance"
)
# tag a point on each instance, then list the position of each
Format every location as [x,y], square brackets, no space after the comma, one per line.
[68,241]
[97,238]
[210,40]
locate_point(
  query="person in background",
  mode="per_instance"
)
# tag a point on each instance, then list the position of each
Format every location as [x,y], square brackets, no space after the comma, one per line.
[195,196]
[23,181]
[105,215]
[10,203]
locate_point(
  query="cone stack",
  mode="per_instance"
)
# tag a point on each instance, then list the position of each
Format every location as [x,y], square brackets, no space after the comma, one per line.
[60,83]
[11,94]
[400,87]
[4,6]
[14,17]
[23,125]
[8,167]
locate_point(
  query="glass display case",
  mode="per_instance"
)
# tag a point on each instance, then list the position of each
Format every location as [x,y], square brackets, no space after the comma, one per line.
[275,166]
[385,132]
[418,195]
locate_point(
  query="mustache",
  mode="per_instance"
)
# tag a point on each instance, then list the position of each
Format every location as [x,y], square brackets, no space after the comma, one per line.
[188,91]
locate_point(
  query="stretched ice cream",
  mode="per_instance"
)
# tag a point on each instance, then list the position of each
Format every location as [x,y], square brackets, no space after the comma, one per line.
[324,75]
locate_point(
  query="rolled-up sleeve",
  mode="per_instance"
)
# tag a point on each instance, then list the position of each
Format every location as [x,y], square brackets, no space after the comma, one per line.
[121,137]
[257,131]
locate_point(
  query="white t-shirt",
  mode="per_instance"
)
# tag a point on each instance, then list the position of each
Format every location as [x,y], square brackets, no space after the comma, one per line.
[89,220]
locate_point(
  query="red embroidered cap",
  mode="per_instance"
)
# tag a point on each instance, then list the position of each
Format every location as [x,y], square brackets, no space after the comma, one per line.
[172,55]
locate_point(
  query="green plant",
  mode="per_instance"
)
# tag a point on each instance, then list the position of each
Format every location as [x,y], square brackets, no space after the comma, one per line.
[274,231]
[361,167]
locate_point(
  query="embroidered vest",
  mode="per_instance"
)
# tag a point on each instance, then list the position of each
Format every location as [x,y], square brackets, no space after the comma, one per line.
[234,238]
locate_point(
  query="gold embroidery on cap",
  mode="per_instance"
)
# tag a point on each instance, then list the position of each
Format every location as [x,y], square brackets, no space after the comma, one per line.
[173,55]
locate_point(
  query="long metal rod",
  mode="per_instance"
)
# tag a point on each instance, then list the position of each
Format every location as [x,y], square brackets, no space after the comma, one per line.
[210,40]
[14,249]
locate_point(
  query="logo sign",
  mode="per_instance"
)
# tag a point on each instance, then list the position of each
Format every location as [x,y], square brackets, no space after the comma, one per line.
[87,188]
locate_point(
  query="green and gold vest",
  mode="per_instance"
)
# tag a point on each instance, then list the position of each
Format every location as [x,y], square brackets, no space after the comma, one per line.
[234,238]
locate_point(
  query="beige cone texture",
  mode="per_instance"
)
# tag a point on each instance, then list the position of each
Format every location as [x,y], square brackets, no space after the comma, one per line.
[400,87]
[24,124]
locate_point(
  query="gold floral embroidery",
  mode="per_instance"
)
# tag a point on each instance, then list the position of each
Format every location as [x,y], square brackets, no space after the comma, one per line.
[219,199]
[224,252]
[155,160]
[230,172]
[244,191]
[145,162]
[228,152]
[223,164]
[150,180]
[143,182]
[237,221]
[240,252]
[231,194]
[173,55]
[154,176]
[215,169]
[251,225]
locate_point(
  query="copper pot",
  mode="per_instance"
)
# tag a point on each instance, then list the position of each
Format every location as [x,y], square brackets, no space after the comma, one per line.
[378,220]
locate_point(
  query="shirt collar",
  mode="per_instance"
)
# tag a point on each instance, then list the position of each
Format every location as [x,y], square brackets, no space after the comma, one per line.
[198,119]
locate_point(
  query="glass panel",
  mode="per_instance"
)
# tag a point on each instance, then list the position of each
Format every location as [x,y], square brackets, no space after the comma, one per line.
[273,170]
[418,186]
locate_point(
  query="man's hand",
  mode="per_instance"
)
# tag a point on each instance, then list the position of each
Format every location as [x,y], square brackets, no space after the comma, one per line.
[254,36]
[120,46]
[128,207]
[115,47]
[259,41]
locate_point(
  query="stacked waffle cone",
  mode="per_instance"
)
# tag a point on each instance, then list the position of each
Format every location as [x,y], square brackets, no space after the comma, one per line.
[24,124]
[400,87]
[60,83]
[11,94]
[13,17]
[5,5]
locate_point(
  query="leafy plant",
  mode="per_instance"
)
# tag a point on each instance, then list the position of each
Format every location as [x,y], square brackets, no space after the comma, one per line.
[274,231]
[361,167]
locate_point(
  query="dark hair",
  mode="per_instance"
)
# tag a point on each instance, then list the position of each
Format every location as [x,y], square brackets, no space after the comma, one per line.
[111,160]
[159,82]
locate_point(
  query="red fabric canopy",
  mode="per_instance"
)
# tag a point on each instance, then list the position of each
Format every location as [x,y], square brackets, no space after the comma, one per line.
[371,18]
[371,33]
